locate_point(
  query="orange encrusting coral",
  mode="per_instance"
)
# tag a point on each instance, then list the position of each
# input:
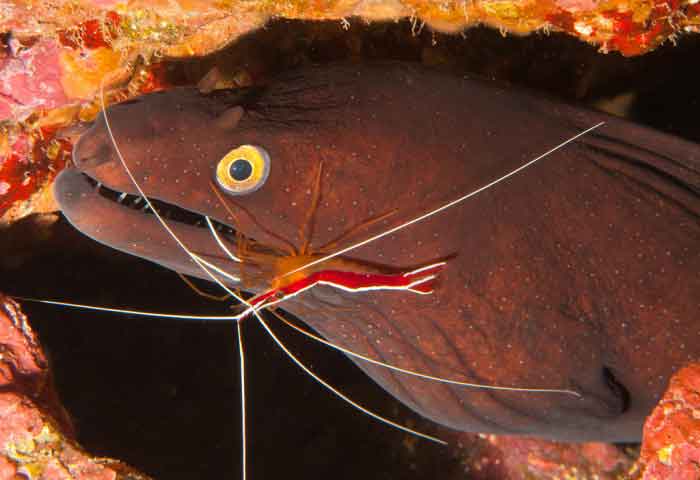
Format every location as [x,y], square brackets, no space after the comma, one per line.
[30,156]
[175,28]
[671,444]
[31,153]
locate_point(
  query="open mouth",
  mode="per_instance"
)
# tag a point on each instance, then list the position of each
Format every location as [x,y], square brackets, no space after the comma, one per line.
[165,210]
[127,222]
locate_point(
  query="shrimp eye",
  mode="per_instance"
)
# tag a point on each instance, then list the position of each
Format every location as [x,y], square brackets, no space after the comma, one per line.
[243,170]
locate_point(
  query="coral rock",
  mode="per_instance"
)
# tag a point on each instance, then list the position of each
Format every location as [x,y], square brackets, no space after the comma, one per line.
[511,457]
[671,444]
[35,432]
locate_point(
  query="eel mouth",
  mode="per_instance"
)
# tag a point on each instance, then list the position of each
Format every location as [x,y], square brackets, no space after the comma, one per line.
[95,150]
[126,222]
[166,210]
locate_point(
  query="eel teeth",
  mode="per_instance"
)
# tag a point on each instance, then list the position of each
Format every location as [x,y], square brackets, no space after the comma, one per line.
[121,197]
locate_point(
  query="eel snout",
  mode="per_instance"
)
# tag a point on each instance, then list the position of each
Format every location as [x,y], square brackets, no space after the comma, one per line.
[93,148]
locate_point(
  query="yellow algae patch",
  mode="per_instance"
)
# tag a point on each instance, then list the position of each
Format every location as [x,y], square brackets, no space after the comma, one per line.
[665,454]
[506,10]
[83,71]
[147,26]
[32,452]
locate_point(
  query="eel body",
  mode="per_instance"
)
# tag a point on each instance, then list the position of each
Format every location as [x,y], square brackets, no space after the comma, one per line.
[581,272]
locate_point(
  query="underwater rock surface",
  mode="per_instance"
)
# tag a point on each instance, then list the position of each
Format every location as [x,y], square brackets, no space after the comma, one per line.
[671,445]
[519,458]
[35,431]
[200,27]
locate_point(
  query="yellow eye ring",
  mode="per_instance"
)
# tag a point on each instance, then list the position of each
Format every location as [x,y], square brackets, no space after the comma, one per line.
[243,170]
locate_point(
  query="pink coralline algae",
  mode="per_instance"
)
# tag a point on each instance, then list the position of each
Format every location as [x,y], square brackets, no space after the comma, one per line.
[671,445]
[31,79]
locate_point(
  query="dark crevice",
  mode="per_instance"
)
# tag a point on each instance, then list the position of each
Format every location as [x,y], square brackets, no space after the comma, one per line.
[617,388]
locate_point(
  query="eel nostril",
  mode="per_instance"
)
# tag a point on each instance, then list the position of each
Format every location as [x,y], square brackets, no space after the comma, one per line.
[90,152]
[617,387]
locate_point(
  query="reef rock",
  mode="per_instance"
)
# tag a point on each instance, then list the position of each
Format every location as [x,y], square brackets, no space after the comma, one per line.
[671,443]
[520,458]
[36,435]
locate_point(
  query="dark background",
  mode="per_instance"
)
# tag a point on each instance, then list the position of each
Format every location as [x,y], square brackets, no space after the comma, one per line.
[163,395]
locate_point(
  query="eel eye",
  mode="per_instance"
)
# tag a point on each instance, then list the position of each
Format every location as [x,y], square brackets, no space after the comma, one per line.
[243,170]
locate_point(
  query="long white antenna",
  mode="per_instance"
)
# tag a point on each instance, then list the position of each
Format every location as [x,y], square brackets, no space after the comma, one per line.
[220,242]
[418,374]
[201,264]
[244,442]
[338,393]
[255,311]
[142,313]
[198,261]
[443,207]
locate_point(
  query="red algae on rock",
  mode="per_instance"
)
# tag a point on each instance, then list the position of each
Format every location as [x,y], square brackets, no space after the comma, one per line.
[35,431]
[29,160]
[671,442]
[49,85]
[514,458]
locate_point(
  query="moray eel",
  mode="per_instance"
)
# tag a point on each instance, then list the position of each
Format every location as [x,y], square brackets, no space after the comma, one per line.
[581,272]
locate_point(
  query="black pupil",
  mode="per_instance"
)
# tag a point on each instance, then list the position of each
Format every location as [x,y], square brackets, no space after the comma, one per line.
[240,170]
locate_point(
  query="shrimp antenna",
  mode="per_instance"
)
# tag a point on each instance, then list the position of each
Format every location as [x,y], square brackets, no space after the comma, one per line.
[418,374]
[300,364]
[220,242]
[176,316]
[338,393]
[442,207]
[241,355]
[201,263]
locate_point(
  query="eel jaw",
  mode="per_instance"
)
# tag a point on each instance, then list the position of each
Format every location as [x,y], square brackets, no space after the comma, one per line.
[119,220]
